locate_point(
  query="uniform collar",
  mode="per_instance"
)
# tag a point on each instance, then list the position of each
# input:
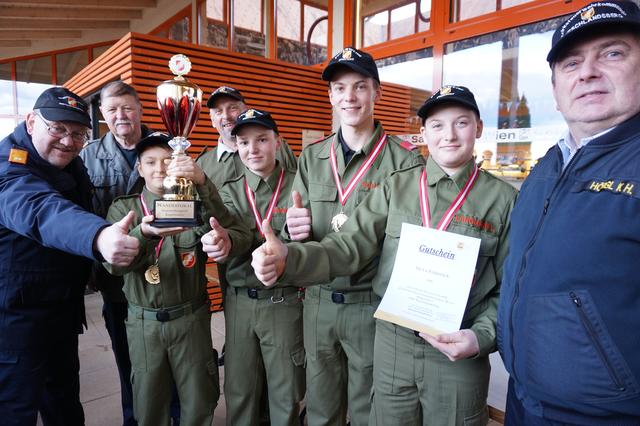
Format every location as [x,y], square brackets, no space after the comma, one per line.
[222,149]
[253,180]
[324,152]
[435,173]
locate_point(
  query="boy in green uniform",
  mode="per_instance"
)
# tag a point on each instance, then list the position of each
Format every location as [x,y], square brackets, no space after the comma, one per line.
[415,381]
[334,176]
[168,326]
[263,326]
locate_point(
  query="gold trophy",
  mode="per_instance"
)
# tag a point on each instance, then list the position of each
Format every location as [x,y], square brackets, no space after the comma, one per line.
[179,102]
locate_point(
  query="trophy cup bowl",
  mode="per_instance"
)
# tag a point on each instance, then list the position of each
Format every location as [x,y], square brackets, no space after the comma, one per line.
[179,102]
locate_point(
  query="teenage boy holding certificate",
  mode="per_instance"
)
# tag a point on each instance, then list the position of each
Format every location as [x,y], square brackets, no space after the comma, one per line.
[263,327]
[415,381]
[334,175]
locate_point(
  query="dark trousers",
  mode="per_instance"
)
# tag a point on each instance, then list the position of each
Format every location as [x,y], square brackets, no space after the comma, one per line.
[41,379]
[114,314]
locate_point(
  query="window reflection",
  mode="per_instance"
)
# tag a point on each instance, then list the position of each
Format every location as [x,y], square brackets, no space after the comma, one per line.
[249,36]
[466,9]
[302,31]
[388,20]
[6,90]
[413,73]
[69,64]
[512,84]
[37,72]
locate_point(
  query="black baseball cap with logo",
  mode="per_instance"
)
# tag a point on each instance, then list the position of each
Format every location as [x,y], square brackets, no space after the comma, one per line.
[154,139]
[61,104]
[224,91]
[357,60]
[449,94]
[596,15]
[254,116]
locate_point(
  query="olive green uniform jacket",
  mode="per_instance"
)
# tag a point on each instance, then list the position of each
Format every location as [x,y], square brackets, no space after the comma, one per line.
[176,348]
[263,327]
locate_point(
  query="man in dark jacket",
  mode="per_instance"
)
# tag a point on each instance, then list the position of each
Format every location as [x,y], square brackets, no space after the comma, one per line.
[569,308]
[47,241]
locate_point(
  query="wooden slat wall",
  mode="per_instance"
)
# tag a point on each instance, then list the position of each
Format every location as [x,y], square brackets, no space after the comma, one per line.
[295,95]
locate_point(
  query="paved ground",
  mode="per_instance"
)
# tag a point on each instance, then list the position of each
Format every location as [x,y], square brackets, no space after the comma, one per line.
[100,388]
[99,384]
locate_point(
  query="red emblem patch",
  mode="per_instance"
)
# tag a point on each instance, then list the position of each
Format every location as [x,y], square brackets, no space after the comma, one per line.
[188,259]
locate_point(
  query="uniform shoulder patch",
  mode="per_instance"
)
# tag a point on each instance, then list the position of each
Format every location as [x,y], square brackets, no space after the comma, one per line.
[408,145]
[18,156]
[322,139]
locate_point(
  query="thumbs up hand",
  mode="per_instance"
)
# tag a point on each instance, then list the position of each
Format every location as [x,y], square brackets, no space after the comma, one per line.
[216,243]
[114,243]
[269,260]
[298,219]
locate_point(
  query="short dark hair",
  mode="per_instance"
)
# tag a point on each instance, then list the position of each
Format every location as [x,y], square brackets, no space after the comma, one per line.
[118,88]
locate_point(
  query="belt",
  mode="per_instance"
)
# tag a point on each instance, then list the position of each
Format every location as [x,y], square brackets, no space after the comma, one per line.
[167,314]
[343,297]
[276,295]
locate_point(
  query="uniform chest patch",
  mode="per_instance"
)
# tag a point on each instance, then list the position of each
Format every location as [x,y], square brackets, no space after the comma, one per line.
[369,185]
[475,222]
[616,186]
[188,259]
[18,156]
[280,210]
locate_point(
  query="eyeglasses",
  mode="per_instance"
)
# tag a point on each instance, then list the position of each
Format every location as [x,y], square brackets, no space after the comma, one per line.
[60,132]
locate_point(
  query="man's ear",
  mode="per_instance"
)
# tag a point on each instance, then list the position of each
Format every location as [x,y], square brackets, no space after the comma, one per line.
[30,121]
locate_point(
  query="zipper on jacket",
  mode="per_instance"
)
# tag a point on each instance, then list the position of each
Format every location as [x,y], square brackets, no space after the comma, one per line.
[523,262]
[596,342]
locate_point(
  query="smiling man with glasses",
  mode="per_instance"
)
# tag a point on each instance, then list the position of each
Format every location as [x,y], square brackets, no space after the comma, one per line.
[48,238]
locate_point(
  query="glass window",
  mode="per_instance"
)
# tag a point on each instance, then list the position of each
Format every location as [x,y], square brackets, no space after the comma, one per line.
[7,125]
[6,91]
[37,72]
[248,31]
[69,64]
[512,84]
[384,20]
[99,50]
[179,31]
[466,9]
[414,73]
[302,32]
[214,28]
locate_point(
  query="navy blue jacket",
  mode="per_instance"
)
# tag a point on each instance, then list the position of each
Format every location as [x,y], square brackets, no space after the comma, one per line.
[46,243]
[569,313]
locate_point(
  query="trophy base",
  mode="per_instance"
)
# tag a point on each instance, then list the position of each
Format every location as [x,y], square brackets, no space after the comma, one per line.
[172,213]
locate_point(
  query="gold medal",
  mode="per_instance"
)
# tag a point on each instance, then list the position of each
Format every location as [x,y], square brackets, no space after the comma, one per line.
[152,274]
[338,220]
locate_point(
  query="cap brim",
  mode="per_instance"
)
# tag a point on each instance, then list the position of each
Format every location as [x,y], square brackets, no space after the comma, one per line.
[58,114]
[216,96]
[152,141]
[585,30]
[331,69]
[255,121]
[424,110]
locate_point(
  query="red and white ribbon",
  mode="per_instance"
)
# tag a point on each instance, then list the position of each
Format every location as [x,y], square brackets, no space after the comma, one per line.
[453,208]
[147,212]
[274,199]
[344,194]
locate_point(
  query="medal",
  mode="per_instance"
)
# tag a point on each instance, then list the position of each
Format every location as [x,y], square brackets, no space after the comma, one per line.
[337,221]
[152,274]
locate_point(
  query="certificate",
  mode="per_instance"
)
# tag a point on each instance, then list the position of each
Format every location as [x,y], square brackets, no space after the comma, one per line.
[431,280]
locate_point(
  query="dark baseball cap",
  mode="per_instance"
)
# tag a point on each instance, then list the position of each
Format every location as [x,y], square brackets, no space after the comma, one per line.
[359,61]
[154,139]
[61,104]
[254,116]
[449,94]
[225,91]
[614,14]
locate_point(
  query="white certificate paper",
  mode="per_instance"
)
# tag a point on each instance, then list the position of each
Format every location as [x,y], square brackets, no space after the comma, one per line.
[431,280]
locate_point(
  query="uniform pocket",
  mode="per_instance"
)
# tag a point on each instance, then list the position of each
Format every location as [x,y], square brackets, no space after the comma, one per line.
[570,352]
[322,192]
